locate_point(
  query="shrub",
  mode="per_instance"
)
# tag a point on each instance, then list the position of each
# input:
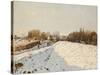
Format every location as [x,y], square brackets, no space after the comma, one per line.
[18,65]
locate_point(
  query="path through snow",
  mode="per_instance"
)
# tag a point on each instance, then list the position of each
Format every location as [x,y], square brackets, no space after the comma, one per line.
[62,56]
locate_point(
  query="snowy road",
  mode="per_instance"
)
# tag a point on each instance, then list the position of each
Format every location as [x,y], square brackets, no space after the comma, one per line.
[62,56]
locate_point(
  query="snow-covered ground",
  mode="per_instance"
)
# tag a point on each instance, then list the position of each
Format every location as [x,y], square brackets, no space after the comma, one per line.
[80,55]
[62,56]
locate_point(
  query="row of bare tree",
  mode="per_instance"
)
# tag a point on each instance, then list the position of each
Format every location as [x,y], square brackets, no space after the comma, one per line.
[82,36]
[87,37]
[37,35]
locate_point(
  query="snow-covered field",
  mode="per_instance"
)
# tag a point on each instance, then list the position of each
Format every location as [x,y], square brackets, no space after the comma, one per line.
[62,56]
[80,55]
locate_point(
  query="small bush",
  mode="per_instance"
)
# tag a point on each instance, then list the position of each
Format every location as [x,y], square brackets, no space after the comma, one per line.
[18,65]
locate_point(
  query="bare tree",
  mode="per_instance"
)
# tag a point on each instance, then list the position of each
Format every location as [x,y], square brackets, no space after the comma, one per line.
[43,36]
[34,34]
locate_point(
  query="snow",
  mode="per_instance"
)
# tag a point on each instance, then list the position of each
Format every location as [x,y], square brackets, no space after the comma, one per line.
[29,52]
[80,55]
[62,56]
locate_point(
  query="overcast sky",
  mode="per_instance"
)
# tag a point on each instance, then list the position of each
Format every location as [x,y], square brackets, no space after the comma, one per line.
[53,17]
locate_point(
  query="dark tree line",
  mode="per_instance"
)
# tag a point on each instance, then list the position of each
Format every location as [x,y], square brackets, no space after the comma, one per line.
[87,37]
